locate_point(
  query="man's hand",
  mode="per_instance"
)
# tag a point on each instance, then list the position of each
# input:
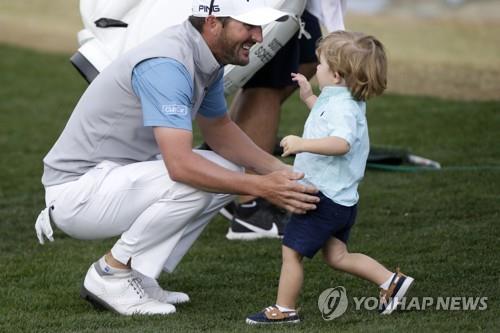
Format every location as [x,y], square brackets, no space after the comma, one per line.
[282,189]
[291,145]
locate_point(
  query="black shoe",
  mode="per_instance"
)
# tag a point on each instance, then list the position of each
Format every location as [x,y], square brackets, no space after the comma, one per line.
[255,219]
[203,146]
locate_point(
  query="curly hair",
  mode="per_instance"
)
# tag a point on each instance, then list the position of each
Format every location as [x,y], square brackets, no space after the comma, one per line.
[358,58]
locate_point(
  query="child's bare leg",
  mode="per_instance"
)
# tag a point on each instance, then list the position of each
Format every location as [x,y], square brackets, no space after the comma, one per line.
[336,256]
[291,278]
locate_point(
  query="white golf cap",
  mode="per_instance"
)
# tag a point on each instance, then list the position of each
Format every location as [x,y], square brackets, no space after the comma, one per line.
[253,12]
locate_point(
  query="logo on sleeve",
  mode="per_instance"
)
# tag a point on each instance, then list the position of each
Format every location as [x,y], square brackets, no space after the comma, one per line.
[174,109]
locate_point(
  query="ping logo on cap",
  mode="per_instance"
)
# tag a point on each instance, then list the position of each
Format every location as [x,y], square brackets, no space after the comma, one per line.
[206,9]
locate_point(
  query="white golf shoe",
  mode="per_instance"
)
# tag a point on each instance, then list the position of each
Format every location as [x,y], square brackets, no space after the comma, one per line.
[121,293]
[153,289]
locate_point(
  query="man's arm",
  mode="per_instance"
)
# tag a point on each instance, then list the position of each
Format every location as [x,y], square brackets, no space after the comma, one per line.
[165,90]
[279,187]
[229,141]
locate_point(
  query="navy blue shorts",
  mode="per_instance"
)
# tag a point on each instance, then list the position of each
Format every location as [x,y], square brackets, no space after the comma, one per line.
[308,233]
[276,73]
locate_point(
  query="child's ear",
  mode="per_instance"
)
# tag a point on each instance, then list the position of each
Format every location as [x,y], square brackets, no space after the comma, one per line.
[337,77]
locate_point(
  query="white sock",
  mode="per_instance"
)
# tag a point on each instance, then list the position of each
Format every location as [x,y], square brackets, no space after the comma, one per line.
[387,283]
[107,269]
[284,309]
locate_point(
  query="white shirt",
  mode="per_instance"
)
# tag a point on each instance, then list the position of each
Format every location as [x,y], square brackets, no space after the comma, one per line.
[330,13]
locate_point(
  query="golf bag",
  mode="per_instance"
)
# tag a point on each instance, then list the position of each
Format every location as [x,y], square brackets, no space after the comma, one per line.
[112,27]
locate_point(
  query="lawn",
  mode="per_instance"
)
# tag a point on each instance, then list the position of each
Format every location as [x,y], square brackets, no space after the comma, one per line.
[441,227]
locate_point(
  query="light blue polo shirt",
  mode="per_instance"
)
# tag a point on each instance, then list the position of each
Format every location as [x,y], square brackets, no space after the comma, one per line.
[165,89]
[336,113]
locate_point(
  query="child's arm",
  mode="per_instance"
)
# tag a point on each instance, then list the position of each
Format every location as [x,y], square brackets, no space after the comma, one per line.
[331,145]
[306,93]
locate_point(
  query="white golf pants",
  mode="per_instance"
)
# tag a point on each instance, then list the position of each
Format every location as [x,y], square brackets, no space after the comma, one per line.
[158,219]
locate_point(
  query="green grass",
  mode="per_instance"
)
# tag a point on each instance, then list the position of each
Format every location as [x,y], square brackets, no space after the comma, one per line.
[441,227]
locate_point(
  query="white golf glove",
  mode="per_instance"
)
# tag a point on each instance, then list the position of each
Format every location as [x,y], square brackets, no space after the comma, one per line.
[43,227]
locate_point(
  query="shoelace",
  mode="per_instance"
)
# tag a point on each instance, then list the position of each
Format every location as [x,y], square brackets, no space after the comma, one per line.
[136,284]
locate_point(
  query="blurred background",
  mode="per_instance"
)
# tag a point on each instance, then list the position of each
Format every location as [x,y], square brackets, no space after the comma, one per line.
[444,48]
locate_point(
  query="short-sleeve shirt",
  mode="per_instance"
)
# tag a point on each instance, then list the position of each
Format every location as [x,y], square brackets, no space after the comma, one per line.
[336,113]
[166,89]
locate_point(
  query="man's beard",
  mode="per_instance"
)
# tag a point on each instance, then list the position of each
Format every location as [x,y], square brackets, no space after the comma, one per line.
[232,53]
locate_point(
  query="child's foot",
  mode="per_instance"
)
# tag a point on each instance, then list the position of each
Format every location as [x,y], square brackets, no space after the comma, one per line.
[392,296]
[272,315]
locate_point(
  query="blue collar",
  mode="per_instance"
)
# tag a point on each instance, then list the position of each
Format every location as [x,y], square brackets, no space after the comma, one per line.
[336,91]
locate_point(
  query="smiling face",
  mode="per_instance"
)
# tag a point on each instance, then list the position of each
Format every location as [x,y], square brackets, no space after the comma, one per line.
[234,40]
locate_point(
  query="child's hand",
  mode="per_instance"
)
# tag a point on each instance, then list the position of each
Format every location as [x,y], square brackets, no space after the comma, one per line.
[291,145]
[304,85]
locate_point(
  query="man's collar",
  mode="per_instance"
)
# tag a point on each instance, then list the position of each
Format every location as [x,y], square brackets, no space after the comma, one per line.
[203,56]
